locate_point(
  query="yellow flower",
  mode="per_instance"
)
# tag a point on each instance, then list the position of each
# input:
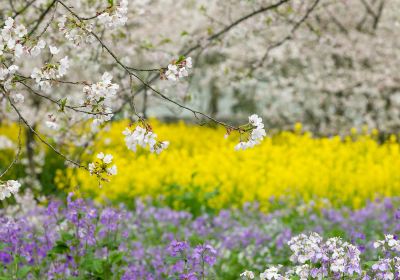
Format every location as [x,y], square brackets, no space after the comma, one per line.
[201,166]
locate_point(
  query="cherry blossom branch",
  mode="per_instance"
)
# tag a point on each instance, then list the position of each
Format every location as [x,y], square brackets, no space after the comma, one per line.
[37,134]
[196,113]
[84,19]
[129,70]
[74,108]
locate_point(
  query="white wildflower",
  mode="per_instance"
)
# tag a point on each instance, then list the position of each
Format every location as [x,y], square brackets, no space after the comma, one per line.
[20,31]
[52,125]
[112,170]
[64,65]
[36,50]
[271,273]
[18,50]
[117,18]
[107,159]
[256,135]
[102,166]
[179,70]
[99,98]
[143,138]
[247,275]
[8,188]
[54,50]
[17,98]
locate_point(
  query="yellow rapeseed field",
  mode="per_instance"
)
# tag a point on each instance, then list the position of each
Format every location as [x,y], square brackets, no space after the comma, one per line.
[201,165]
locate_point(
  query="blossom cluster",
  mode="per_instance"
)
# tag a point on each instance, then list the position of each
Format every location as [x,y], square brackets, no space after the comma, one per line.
[332,259]
[9,187]
[98,97]
[52,122]
[103,166]
[76,32]
[116,18]
[6,75]
[11,37]
[50,71]
[255,133]
[14,40]
[144,137]
[390,243]
[178,69]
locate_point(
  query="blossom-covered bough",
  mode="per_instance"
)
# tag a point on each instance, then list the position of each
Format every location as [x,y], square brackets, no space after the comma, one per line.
[64,63]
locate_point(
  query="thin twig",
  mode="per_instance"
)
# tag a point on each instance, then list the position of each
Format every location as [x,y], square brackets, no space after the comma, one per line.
[23,9]
[288,37]
[18,151]
[41,17]
[236,22]
[129,72]
[38,135]
[74,108]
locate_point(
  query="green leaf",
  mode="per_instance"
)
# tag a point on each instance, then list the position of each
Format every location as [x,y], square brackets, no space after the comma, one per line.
[111,2]
[93,265]
[116,257]
[66,236]
[165,41]
[23,272]
[59,248]
[369,264]
[63,103]
[181,58]
[172,260]
[98,265]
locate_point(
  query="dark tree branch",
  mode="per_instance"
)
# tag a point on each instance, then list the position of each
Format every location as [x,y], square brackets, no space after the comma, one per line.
[376,15]
[41,17]
[286,38]
[236,22]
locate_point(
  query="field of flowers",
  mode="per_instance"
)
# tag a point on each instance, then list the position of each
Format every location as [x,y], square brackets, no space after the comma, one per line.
[82,240]
[201,169]
[294,207]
